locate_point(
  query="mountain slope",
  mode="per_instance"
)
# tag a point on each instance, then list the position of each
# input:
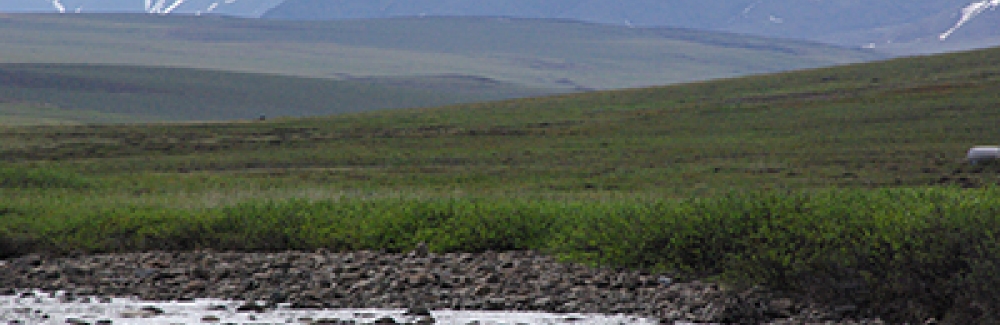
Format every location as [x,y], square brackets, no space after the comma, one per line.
[539,54]
[240,8]
[893,26]
[845,22]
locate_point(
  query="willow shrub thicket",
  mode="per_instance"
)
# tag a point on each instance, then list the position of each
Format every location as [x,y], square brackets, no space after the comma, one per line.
[932,248]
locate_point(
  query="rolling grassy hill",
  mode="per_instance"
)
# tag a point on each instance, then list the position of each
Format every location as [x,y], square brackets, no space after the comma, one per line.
[72,94]
[844,186]
[529,53]
[904,122]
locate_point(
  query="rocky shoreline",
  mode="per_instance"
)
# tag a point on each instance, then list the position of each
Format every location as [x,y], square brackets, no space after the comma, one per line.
[418,280]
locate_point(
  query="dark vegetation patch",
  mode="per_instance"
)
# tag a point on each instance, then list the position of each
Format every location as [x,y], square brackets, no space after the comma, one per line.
[12,77]
[970,176]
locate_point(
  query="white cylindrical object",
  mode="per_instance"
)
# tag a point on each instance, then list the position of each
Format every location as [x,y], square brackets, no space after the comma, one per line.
[982,154]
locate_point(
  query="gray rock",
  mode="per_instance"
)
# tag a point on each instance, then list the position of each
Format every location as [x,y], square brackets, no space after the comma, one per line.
[420,251]
[418,311]
[151,310]
[385,320]
[251,307]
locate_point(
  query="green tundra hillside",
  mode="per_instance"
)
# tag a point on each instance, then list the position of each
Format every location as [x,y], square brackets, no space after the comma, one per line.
[844,186]
[905,122]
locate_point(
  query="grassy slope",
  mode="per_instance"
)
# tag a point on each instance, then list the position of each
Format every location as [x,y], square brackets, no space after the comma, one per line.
[897,123]
[545,54]
[826,182]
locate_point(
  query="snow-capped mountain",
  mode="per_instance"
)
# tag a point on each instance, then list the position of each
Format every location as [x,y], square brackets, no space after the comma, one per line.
[870,23]
[892,25]
[241,8]
[969,13]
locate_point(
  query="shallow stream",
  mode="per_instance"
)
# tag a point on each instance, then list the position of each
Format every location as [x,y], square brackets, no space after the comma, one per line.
[35,307]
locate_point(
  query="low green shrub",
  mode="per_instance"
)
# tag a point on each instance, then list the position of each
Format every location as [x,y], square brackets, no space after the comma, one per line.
[903,254]
[481,225]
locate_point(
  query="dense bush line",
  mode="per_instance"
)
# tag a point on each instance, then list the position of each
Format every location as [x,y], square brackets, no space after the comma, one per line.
[903,253]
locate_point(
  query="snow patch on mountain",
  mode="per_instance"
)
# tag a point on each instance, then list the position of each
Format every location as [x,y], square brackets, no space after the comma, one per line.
[161,6]
[59,6]
[748,9]
[970,12]
[240,8]
[174,6]
[210,8]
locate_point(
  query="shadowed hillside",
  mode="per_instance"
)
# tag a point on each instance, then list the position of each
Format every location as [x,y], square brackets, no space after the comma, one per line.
[65,93]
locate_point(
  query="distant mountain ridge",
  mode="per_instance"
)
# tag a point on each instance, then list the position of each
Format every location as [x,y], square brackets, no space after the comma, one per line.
[918,24]
[903,27]
[533,53]
[238,8]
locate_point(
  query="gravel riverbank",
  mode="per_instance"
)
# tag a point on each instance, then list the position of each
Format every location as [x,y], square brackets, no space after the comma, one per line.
[508,281]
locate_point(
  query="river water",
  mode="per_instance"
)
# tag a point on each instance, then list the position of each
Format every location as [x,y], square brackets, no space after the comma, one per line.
[35,307]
